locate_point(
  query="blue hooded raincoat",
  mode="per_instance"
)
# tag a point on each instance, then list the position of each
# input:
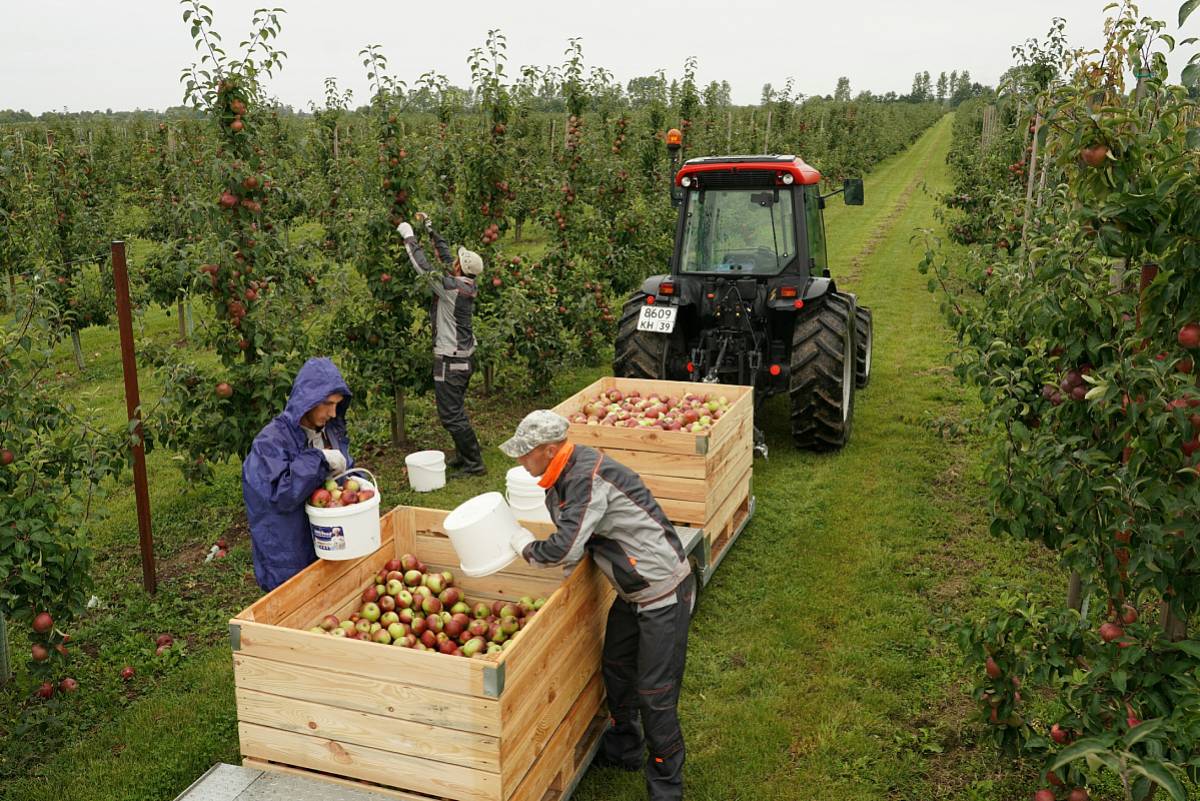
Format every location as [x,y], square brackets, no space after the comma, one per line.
[281,471]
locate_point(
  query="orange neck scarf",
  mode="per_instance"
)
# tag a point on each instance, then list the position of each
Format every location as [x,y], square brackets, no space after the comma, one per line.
[555,468]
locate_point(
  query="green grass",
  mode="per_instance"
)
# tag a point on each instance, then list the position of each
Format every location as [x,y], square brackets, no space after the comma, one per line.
[818,665]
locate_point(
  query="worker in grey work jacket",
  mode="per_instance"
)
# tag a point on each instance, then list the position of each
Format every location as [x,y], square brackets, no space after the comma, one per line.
[454,293]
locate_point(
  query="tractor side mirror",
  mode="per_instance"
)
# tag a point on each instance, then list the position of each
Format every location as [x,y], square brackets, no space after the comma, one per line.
[852,189]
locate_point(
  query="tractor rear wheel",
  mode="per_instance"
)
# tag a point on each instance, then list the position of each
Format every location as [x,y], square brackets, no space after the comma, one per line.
[644,354]
[863,336]
[822,375]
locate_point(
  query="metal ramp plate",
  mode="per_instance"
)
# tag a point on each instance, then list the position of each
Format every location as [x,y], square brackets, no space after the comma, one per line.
[224,782]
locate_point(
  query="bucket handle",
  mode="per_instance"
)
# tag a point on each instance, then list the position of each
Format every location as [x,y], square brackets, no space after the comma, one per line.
[353,470]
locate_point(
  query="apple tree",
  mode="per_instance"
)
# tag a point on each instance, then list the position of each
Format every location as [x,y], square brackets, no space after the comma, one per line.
[260,299]
[53,465]
[1081,335]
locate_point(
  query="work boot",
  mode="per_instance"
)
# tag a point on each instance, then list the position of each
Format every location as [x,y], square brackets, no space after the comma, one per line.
[468,457]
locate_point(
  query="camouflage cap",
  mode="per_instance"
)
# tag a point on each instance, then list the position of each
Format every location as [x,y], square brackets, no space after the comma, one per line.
[536,429]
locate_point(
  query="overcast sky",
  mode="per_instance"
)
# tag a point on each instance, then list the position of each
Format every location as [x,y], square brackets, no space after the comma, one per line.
[126,54]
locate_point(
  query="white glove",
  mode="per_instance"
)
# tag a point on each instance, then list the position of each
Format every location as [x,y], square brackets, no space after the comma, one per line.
[405,230]
[425,218]
[335,459]
[519,540]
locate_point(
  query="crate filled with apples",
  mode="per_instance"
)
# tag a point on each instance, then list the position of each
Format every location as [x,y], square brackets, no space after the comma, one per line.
[346,493]
[411,606]
[344,671]
[690,412]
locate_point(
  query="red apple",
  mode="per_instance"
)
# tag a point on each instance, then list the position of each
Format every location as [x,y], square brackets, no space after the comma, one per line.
[39,652]
[1110,631]
[1189,336]
[43,623]
[224,390]
[319,498]
[46,690]
[68,685]
[127,673]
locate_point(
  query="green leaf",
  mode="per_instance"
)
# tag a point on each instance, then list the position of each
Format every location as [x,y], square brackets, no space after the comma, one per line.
[1186,10]
[1193,138]
[1142,730]
[1084,748]
[1156,772]
[1190,647]
[1191,73]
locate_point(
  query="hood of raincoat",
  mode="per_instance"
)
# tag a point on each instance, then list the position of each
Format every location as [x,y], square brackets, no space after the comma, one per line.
[282,470]
[317,380]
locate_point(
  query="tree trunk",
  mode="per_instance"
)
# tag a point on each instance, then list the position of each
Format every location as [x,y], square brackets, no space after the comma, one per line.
[729,132]
[1029,182]
[1176,628]
[191,325]
[12,292]
[183,332]
[518,229]
[77,348]
[767,135]
[399,435]
[1075,592]
[489,378]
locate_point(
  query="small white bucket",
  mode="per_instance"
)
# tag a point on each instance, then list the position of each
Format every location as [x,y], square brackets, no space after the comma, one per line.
[527,499]
[346,532]
[480,530]
[426,470]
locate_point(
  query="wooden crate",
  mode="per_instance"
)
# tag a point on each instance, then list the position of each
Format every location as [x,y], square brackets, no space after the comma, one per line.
[699,480]
[418,723]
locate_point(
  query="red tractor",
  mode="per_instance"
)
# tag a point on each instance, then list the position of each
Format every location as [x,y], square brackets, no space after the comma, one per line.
[749,299]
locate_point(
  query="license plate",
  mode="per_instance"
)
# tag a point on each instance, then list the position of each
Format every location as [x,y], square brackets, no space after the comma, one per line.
[658,319]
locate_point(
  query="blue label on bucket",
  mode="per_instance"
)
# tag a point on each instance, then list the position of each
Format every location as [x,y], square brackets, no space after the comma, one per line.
[329,539]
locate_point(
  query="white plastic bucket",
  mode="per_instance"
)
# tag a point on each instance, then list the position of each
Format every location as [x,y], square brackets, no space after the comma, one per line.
[346,532]
[426,470]
[480,530]
[525,497]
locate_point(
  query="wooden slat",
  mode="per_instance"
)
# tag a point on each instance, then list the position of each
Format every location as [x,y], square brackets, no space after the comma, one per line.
[662,464]
[685,512]
[741,408]
[350,584]
[438,671]
[680,489]
[719,522]
[637,439]
[505,585]
[338,781]
[544,681]
[393,697]
[559,752]
[314,580]
[418,740]
[371,764]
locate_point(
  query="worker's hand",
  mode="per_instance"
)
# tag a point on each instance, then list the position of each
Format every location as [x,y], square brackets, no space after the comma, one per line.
[335,459]
[519,540]
[406,230]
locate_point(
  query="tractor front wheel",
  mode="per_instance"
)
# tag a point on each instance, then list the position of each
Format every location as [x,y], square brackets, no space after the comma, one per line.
[645,354]
[823,374]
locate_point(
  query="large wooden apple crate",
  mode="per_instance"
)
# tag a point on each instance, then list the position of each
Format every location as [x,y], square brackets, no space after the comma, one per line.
[704,480]
[422,725]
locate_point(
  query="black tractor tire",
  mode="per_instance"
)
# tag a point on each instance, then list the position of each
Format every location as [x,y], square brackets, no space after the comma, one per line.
[864,334]
[644,354]
[822,375]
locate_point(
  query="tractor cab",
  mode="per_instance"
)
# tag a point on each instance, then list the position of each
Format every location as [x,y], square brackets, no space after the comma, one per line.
[749,299]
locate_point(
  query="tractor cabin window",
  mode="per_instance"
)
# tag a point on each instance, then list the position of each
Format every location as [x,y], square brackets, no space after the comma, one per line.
[739,231]
[816,229]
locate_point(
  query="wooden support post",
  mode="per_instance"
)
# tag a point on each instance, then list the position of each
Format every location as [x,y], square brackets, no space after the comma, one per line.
[1075,592]
[5,660]
[133,406]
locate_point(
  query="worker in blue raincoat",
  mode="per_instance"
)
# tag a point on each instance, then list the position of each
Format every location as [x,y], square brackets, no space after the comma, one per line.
[291,457]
